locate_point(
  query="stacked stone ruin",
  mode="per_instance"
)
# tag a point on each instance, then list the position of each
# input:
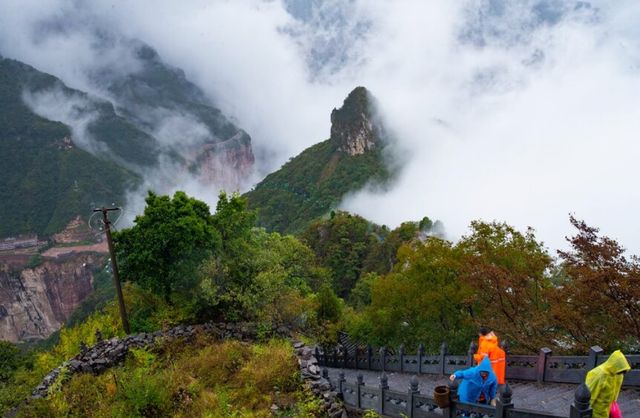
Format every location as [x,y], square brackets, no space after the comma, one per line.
[108,353]
[317,383]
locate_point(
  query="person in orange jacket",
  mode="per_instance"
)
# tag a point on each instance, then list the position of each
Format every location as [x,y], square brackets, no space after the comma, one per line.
[488,347]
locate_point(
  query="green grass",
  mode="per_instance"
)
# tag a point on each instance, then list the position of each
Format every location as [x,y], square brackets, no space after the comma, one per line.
[204,378]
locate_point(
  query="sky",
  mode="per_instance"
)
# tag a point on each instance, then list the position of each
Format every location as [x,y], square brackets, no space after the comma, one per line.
[521,111]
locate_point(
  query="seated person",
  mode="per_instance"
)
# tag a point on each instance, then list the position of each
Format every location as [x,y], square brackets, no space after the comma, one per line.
[479,384]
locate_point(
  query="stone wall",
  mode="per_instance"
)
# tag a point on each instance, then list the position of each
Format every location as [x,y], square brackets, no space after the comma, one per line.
[111,352]
[317,383]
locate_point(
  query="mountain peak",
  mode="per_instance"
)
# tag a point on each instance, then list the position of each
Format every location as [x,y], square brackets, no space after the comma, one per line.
[353,125]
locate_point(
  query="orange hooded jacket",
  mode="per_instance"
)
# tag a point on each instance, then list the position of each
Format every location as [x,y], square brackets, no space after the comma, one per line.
[488,347]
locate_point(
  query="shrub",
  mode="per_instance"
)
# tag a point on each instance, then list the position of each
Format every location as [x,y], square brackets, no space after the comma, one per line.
[216,364]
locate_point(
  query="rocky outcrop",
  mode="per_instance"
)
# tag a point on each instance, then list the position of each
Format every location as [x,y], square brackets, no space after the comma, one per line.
[228,163]
[38,301]
[354,125]
[76,230]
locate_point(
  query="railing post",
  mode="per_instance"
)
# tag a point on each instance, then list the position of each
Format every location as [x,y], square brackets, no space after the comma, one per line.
[355,355]
[384,385]
[443,353]
[346,357]
[542,363]
[581,407]
[369,353]
[450,412]
[593,356]
[383,357]
[325,375]
[473,348]
[420,356]
[401,355]
[341,380]
[504,401]
[320,362]
[360,383]
[413,390]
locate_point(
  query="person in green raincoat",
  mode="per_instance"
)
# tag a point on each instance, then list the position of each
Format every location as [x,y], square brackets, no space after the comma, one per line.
[604,383]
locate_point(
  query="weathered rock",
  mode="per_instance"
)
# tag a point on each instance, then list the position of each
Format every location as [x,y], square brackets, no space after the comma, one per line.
[37,301]
[354,125]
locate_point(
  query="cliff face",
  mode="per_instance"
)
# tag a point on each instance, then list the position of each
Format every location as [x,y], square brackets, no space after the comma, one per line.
[227,164]
[76,230]
[36,302]
[354,126]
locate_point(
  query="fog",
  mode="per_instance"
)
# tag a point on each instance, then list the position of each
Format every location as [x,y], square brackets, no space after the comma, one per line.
[518,111]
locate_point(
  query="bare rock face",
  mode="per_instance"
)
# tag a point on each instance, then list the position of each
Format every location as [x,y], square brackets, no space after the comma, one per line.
[353,126]
[227,163]
[36,302]
[76,230]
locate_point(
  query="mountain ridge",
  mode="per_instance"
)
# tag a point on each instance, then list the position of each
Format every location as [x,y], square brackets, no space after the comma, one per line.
[314,182]
[151,119]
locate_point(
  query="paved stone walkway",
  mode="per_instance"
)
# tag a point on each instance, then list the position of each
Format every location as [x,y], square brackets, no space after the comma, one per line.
[555,398]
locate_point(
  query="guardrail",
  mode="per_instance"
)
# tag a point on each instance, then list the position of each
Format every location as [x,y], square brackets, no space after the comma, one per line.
[543,367]
[413,404]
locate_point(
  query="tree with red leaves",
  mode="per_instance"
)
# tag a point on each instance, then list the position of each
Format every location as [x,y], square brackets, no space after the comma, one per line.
[596,299]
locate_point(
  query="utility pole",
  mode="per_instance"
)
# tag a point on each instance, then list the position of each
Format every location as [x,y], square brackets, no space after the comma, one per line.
[114,266]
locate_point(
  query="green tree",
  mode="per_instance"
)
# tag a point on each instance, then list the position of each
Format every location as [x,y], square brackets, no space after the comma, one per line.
[342,244]
[420,301]
[329,306]
[168,242]
[10,360]
[360,296]
[275,270]
[507,271]
[351,246]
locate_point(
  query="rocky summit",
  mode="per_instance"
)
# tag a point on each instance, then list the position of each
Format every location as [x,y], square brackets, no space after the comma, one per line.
[313,183]
[354,126]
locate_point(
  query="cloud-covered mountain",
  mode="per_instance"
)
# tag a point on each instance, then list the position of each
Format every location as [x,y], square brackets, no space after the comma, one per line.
[150,128]
[309,185]
[520,111]
[47,179]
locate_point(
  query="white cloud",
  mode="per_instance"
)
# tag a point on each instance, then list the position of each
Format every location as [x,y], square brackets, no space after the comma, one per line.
[75,111]
[518,111]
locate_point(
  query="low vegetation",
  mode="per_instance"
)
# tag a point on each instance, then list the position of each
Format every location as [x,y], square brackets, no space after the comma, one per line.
[205,378]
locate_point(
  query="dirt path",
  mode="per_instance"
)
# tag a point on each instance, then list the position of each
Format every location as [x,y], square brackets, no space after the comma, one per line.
[58,251]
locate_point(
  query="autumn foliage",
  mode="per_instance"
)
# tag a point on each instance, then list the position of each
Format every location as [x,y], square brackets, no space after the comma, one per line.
[498,277]
[597,297]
